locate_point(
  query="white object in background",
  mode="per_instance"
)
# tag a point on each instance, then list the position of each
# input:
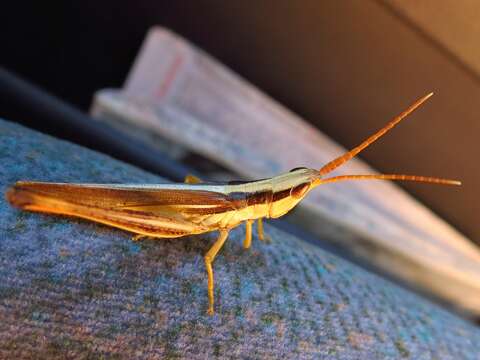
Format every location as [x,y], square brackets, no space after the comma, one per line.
[177,91]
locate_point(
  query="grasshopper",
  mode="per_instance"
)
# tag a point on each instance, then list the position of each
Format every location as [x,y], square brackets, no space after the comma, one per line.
[193,207]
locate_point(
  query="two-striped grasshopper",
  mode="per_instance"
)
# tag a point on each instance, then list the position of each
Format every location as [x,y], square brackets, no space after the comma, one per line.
[174,210]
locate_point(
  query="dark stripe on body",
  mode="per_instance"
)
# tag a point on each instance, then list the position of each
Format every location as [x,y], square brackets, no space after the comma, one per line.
[259,198]
[279,195]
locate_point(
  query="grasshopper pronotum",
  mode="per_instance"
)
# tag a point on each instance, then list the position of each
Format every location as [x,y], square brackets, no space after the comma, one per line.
[174,210]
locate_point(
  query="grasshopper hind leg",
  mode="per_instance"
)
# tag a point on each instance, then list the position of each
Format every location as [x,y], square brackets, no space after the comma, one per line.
[209,258]
[138,237]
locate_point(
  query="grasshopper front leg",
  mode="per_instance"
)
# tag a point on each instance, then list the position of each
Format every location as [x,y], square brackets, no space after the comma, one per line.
[261,233]
[209,258]
[248,233]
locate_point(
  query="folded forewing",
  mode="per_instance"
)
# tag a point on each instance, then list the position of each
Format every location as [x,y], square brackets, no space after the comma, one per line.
[139,209]
[116,196]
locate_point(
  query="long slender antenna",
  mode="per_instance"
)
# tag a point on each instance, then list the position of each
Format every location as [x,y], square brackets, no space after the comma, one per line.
[400,177]
[347,156]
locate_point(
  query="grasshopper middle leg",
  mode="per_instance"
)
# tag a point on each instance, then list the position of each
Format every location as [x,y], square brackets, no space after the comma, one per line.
[248,234]
[192,179]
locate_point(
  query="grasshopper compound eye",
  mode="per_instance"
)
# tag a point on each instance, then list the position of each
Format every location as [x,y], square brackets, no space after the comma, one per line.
[299,191]
[298,168]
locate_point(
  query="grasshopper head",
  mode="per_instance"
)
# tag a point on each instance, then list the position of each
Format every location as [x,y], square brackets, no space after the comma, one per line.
[290,188]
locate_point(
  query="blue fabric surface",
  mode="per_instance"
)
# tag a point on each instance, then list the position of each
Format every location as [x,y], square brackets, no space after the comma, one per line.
[75,289]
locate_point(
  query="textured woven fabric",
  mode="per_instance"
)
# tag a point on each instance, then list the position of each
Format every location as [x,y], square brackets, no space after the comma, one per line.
[75,289]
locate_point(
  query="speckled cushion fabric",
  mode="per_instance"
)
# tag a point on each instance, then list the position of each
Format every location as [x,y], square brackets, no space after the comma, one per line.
[75,289]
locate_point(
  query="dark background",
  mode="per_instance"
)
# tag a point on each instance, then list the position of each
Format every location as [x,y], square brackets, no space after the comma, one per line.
[345,66]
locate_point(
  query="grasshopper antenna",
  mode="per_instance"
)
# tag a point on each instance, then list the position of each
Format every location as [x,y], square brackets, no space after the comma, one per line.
[332,165]
[400,177]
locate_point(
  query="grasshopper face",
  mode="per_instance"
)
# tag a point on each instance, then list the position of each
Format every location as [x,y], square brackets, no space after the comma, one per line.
[290,188]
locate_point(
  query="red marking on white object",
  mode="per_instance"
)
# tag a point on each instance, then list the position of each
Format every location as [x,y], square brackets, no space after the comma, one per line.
[165,85]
